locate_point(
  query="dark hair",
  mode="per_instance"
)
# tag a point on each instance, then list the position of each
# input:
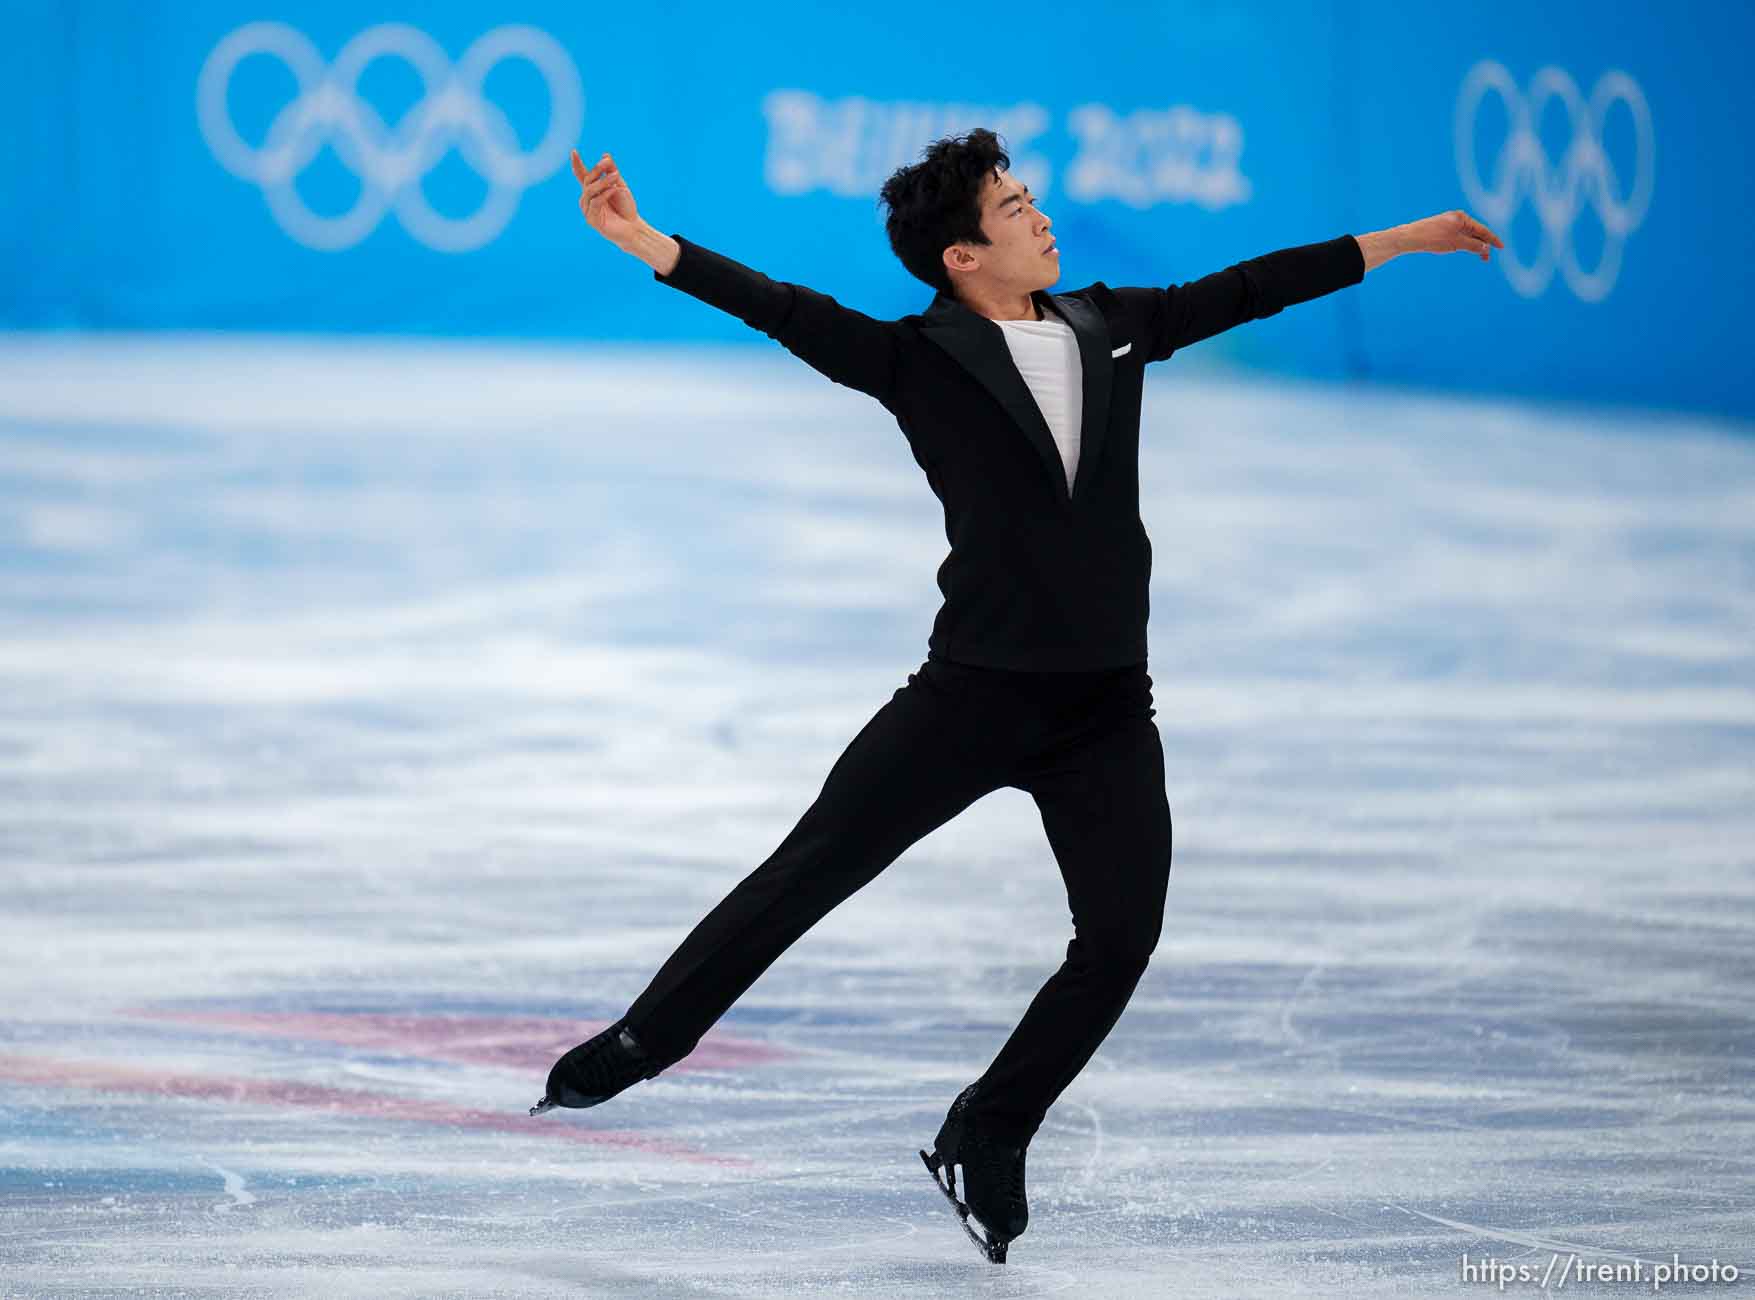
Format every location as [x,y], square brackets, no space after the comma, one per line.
[936,202]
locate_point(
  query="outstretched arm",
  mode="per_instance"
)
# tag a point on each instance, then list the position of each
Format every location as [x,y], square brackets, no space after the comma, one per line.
[849,347]
[1265,286]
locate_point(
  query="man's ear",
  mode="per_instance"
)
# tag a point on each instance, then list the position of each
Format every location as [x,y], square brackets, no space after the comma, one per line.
[960,257]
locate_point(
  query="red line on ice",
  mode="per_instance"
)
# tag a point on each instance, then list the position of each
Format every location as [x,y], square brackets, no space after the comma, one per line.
[338,1101]
[525,1042]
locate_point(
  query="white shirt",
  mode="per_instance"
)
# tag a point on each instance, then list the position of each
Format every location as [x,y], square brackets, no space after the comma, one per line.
[1047,356]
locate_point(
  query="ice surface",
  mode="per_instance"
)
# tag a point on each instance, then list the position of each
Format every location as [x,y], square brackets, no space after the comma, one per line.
[374,719]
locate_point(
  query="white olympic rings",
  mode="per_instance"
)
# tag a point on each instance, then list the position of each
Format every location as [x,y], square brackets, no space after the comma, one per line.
[391,162]
[1558,192]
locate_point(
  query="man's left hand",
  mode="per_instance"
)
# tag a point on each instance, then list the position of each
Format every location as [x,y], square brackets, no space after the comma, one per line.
[1450,232]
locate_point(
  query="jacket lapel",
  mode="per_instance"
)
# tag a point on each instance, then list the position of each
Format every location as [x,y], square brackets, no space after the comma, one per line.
[978,345]
[1098,367]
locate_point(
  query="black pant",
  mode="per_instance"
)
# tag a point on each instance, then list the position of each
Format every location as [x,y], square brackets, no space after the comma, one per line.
[1083,744]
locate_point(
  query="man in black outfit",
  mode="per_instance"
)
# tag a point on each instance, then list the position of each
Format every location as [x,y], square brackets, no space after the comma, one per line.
[1023,408]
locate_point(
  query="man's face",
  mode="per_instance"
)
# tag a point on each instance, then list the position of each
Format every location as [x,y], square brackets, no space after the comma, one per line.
[1020,257]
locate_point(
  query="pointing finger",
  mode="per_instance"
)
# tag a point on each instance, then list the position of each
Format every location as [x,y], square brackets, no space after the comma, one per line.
[578,167]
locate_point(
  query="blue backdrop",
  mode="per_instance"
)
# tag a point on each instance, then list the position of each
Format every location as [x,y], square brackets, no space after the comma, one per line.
[333,166]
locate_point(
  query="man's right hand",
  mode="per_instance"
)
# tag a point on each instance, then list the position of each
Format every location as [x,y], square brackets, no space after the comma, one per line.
[608,205]
[606,201]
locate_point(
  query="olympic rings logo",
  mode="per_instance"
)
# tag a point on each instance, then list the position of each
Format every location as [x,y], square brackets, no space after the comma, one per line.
[391,162]
[1560,191]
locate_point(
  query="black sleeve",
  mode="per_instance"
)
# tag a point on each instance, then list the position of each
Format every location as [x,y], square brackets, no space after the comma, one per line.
[848,346]
[1173,318]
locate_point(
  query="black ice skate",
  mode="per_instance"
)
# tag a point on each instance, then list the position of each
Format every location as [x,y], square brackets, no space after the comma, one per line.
[597,1070]
[993,1177]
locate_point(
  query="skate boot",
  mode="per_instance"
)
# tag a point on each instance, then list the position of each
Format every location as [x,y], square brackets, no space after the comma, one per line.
[597,1070]
[993,1177]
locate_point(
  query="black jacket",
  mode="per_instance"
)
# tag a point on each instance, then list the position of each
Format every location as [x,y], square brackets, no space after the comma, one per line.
[1038,578]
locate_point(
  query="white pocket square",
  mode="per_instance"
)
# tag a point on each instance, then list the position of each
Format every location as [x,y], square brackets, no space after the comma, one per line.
[1123,350]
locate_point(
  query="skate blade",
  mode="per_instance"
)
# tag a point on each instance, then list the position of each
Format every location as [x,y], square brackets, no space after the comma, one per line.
[544,1105]
[993,1251]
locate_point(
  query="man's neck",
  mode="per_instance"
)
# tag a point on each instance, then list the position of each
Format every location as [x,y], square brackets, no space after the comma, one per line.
[1000,306]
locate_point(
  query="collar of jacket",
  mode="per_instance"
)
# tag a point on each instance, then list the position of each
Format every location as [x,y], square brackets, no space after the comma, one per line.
[978,345]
